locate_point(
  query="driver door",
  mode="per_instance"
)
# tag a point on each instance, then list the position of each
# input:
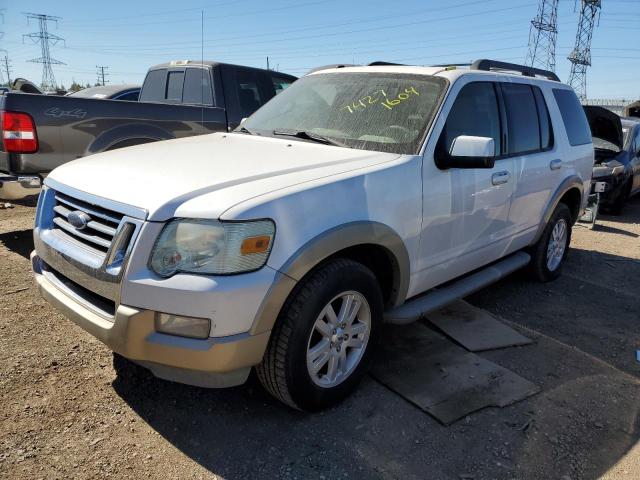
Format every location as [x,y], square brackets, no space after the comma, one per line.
[465,210]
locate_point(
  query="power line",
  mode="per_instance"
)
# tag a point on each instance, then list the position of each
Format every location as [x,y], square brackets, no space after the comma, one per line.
[101,74]
[542,36]
[580,56]
[46,40]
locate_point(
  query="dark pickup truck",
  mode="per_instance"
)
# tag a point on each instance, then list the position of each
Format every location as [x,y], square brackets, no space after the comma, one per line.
[178,99]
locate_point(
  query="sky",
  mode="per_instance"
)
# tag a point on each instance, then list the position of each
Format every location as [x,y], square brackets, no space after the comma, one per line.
[129,36]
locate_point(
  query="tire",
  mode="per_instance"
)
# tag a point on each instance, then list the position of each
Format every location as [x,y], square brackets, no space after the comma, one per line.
[286,372]
[541,268]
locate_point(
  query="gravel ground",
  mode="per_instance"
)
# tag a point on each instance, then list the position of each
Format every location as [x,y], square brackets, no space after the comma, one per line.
[65,413]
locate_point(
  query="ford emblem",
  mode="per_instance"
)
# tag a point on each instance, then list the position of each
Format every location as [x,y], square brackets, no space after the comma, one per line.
[79,219]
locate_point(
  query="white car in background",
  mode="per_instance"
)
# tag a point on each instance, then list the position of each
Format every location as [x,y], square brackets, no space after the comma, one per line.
[355,196]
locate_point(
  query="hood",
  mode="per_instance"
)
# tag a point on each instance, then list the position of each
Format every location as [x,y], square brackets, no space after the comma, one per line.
[605,125]
[159,177]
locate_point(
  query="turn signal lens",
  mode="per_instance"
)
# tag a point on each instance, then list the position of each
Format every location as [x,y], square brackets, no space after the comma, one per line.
[19,133]
[255,245]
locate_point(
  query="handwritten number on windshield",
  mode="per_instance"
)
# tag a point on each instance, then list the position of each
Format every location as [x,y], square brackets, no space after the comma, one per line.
[365,101]
[390,103]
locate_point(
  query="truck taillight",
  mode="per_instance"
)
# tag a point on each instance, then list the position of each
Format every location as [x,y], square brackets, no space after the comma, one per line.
[19,133]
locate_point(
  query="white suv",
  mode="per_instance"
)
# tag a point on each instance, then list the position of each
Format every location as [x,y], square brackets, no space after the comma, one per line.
[355,196]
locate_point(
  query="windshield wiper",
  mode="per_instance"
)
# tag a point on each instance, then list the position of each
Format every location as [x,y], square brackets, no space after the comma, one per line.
[306,135]
[242,129]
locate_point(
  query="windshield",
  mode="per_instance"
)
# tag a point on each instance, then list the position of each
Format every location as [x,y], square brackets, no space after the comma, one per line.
[387,112]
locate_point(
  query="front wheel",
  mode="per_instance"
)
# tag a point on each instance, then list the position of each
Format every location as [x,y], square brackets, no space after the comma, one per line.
[322,343]
[548,254]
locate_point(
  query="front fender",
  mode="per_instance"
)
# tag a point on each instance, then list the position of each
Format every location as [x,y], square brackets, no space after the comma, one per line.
[324,246]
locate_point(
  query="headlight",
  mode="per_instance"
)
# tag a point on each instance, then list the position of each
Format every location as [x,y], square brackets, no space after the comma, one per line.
[212,247]
[605,171]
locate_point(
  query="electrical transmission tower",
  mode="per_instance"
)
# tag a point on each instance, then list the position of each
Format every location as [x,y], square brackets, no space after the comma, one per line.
[46,40]
[101,74]
[542,36]
[2,50]
[580,56]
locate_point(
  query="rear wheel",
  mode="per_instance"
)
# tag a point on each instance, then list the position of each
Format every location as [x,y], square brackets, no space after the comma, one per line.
[548,254]
[322,343]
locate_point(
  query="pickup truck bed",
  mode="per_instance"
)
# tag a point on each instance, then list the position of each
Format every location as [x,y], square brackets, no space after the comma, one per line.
[178,99]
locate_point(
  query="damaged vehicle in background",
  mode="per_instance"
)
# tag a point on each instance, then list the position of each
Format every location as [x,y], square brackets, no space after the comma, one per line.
[616,142]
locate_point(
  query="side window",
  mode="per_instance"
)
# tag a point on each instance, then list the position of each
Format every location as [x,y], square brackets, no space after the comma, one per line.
[573,117]
[280,83]
[154,85]
[636,143]
[175,81]
[248,90]
[522,118]
[474,112]
[544,120]
[197,87]
[129,97]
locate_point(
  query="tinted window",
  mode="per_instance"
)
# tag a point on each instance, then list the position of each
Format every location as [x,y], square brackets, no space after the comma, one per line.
[573,117]
[197,87]
[279,84]
[249,96]
[475,112]
[153,88]
[546,130]
[129,97]
[174,86]
[522,118]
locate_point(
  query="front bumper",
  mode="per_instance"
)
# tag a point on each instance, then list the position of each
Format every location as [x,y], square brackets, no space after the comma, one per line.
[214,362]
[18,187]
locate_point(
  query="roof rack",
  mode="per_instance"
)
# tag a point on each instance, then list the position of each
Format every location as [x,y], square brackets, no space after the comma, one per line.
[492,65]
[377,64]
[333,65]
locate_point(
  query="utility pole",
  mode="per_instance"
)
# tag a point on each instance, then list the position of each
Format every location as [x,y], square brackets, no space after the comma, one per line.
[542,36]
[102,74]
[268,64]
[580,56]
[6,65]
[46,40]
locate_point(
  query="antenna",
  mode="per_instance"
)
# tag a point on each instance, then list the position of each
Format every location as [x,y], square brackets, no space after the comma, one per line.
[46,40]
[580,56]
[202,72]
[542,37]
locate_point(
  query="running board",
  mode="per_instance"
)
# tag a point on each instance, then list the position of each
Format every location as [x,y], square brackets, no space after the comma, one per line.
[438,298]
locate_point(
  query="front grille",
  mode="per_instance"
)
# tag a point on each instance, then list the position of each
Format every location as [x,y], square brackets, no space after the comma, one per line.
[100,230]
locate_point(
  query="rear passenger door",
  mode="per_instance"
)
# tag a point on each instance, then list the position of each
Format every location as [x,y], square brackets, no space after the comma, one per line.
[635,159]
[537,163]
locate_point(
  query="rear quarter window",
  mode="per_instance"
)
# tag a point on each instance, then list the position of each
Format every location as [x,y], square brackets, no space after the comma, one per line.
[573,117]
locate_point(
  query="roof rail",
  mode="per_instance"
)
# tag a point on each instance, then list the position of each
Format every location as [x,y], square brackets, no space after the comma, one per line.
[376,64]
[333,65]
[489,65]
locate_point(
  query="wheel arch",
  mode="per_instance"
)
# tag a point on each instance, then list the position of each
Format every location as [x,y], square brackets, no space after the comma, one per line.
[374,244]
[571,193]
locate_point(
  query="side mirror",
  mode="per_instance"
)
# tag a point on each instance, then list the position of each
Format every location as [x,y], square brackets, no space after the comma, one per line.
[468,152]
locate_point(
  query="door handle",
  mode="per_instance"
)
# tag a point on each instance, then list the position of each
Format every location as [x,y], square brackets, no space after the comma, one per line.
[555,164]
[500,177]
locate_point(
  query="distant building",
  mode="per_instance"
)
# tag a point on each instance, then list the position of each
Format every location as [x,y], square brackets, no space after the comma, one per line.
[623,107]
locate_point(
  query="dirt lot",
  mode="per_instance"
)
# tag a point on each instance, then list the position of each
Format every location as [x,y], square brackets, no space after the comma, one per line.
[65,414]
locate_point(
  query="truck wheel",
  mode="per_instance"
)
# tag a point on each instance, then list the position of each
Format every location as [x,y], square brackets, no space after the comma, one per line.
[322,342]
[548,254]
